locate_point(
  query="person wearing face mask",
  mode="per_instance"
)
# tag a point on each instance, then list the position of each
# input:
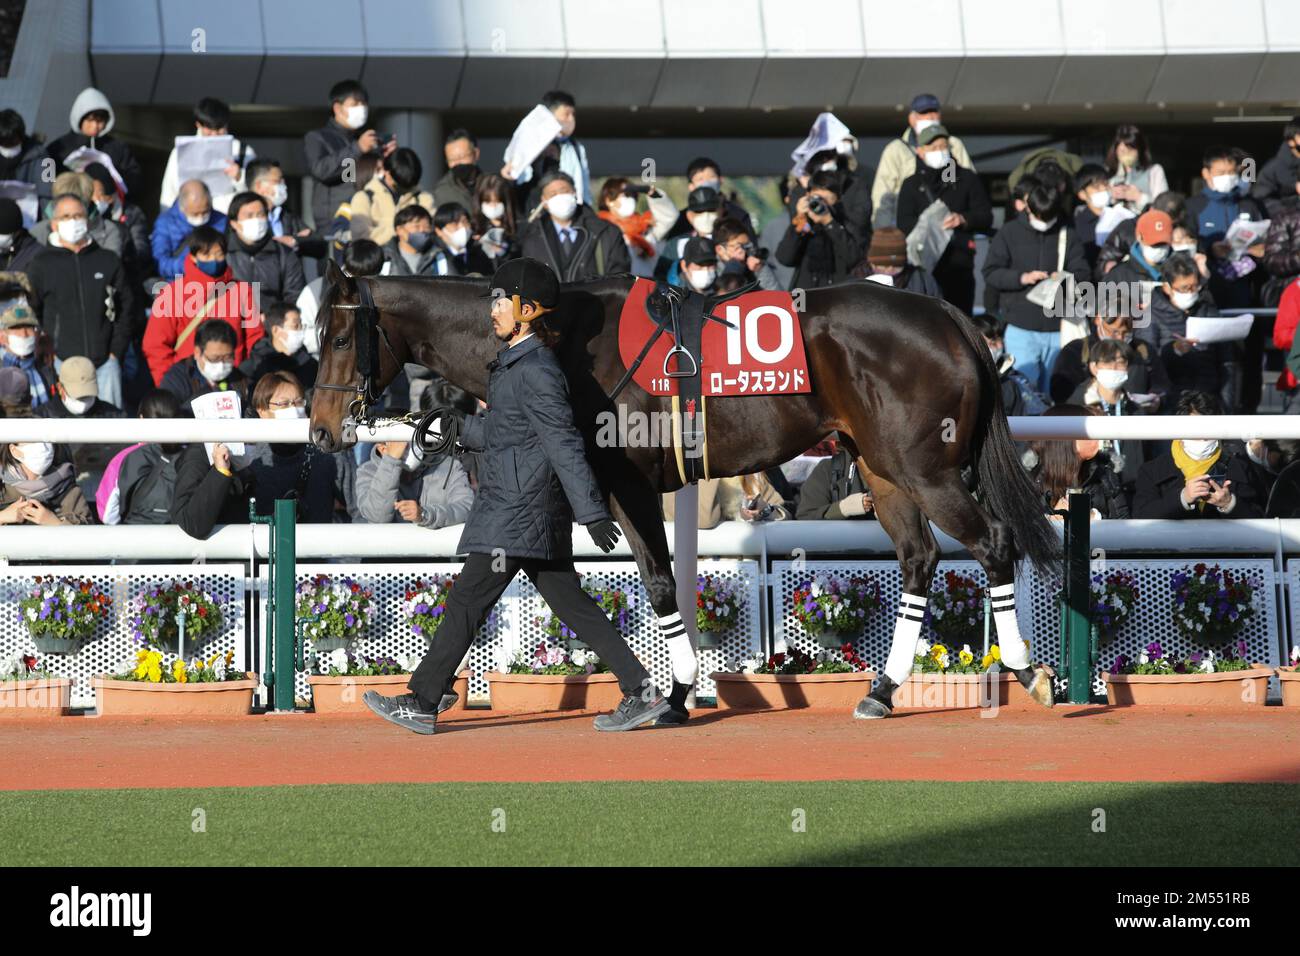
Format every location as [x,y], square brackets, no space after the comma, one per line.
[171,231]
[1019,397]
[411,251]
[705,173]
[139,482]
[1062,466]
[1200,478]
[19,341]
[37,489]
[254,257]
[92,119]
[396,484]
[211,118]
[1107,390]
[570,237]
[886,263]
[898,159]
[740,259]
[1025,251]
[1221,201]
[1191,365]
[1136,275]
[940,178]
[703,209]
[111,208]
[107,234]
[21,155]
[77,396]
[495,227]
[283,470]
[266,178]
[817,244]
[1115,249]
[454,252]
[80,293]
[396,187]
[205,290]
[1093,190]
[564,154]
[17,246]
[698,267]
[1134,179]
[1147,376]
[642,231]
[332,152]
[1279,178]
[282,348]
[460,183]
[211,366]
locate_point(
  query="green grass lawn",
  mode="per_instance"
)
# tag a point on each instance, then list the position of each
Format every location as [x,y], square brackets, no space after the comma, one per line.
[716,823]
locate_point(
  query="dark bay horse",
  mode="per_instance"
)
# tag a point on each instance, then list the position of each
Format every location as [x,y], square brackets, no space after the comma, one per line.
[906,380]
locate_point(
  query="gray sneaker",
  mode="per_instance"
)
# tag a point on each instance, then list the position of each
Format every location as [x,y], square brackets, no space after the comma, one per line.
[634,711]
[403,710]
[447,703]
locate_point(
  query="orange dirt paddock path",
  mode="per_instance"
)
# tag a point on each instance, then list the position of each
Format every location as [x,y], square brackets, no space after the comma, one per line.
[1092,743]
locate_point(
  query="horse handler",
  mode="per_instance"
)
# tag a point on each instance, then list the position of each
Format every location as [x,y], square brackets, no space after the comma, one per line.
[534,481]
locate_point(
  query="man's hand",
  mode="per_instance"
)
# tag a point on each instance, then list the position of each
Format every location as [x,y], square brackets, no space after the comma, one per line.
[36,513]
[395,449]
[1126,192]
[221,457]
[1220,495]
[389,147]
[410,510]
[286,240]
[604,533]
[1032,278]
[953,220]
[1182,346]
[233,171]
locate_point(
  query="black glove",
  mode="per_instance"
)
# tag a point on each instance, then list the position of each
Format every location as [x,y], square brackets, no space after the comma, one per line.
[605,533]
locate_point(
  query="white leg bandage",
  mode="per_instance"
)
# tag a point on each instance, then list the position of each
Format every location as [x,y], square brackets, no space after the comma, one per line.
[679,648]
[1015,653]
[907,631]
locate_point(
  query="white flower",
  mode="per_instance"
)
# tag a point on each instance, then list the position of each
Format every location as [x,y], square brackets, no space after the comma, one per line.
[1143,658]
[966,648]
[1207,666]
[9,665]
[408,662]
[751,666]
[579,658]
[1295,654]
[31,614]
[922,647]
[337,659]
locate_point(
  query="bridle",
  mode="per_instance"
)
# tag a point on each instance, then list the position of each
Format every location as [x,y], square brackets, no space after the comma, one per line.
[367,332]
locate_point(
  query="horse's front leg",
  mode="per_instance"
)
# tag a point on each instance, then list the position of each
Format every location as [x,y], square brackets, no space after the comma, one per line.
[634,502]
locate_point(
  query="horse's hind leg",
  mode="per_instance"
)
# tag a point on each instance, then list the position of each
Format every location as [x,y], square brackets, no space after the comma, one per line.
[989,540]
[635,505]
[918,555]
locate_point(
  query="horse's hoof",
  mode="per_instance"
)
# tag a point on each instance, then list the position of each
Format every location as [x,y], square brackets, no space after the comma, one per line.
[674,718]
[1037,682]
[871,709]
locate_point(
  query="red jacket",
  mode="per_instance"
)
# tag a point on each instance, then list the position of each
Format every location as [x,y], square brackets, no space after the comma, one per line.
[1288,313]
[184,298]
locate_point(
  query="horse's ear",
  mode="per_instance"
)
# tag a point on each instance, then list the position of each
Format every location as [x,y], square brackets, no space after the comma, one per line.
[337,277]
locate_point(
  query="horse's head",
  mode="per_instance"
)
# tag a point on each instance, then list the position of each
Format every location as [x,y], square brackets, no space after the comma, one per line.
[356,360]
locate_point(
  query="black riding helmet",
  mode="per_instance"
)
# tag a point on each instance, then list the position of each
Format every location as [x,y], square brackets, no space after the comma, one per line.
[526,280]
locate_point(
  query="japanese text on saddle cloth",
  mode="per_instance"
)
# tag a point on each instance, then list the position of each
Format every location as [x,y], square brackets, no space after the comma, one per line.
[756,349]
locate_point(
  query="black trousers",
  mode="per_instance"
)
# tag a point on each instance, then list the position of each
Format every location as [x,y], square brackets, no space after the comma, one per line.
[479,587]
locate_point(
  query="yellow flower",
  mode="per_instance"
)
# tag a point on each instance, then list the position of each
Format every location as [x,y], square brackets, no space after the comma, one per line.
[178,671]
[155,674]
[198,664]
[995,653]
[965,657]
[141,671]
[937,651]
[230,658]
[213,659]
[988,660]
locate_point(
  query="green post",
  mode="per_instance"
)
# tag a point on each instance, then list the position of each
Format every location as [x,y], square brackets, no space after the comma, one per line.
[1078,624]
[284,562]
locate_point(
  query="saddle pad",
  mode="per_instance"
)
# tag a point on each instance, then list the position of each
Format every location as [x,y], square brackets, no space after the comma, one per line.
[762,355]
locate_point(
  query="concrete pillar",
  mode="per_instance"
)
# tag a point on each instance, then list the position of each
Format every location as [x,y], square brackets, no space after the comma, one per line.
[421,130]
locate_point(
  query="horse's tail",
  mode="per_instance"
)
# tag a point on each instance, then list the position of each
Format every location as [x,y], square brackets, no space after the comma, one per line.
[1004,485]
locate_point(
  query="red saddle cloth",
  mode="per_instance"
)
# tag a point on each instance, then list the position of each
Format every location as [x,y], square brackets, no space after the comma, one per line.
[762,355]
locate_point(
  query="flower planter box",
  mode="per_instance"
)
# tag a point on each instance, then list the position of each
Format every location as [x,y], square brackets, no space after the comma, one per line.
[130,698]
[959,691]
[786,691]
[1227,689]
[324,645]
[342,695]
[35,699]
[710,640]
[55,645]
[539,693]
[831,641]
[1290,678]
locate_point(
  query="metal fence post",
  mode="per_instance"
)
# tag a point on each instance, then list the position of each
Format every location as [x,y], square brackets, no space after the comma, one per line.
[285,561]
[1078,599]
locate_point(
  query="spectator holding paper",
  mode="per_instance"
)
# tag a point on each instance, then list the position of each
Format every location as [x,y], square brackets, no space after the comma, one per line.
[544,143]
[1192,364]
[91,119]
[211,119]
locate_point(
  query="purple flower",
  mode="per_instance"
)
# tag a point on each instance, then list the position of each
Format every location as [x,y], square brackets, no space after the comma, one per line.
[1155,650]
[1121,662]
[417,630]
[349,620]
[422,608]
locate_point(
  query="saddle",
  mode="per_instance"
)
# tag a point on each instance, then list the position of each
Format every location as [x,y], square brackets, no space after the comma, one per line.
[681,313]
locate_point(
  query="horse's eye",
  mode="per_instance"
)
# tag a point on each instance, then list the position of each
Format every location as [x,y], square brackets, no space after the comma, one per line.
[341,342]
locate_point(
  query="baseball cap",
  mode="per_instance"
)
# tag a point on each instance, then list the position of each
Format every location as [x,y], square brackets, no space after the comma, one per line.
[930,134]
[77,376]
[925,103]
[699,251]
[1155,227]
[16,313]
[704,199]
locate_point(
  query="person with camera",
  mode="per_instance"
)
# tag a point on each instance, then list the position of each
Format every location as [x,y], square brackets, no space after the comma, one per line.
[738,255]
[817,244]
[495,226]
[1200,477]
[834,490]
[642,231]
[1061,467]
[536,480]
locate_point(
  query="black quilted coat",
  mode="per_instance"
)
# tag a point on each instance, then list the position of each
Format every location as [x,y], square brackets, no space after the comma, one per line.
[534,480]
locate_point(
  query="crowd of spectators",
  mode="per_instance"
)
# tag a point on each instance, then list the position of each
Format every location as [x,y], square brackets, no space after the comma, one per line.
[1090,281]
